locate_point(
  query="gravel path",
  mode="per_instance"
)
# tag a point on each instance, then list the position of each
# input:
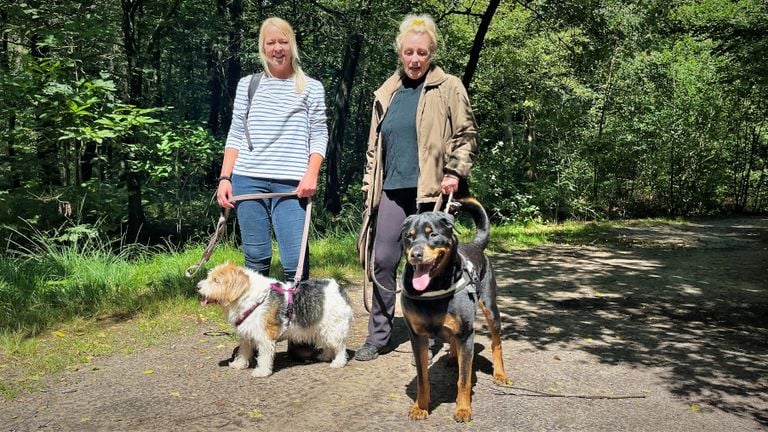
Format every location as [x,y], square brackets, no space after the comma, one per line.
[665,330]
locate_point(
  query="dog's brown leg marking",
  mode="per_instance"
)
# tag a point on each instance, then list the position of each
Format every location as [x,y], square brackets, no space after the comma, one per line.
[463,411]
[499,376]
[453,352]
[452,324]
[272,325]
[419,324]
[420,408]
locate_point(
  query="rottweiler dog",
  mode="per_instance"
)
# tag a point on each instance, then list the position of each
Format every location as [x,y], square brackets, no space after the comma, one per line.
[443,283]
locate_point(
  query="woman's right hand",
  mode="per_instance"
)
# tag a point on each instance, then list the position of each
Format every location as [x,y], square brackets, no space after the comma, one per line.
[224,194]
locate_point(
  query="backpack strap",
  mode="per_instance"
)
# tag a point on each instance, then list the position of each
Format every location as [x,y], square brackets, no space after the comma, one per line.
[255,79]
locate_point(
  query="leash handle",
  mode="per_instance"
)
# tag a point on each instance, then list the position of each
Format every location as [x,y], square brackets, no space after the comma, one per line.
[246,197]
[448,204]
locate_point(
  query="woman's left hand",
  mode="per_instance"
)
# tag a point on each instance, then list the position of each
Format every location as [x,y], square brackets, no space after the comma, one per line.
[307,186]
[449,184]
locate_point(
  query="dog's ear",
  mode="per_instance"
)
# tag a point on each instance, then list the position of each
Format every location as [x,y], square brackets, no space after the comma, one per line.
[448,220]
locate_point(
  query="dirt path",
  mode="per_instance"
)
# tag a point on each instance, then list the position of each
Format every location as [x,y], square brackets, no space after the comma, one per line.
[675,314]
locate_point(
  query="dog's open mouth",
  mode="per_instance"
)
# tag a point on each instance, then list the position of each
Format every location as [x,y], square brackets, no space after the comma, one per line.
[206,301]
[421,276]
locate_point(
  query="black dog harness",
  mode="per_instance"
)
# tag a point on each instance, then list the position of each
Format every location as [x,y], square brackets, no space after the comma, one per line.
[468,281]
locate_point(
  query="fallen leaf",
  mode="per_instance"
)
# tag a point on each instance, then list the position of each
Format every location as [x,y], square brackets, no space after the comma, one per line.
[556,357]
[60,334]
[254,413]
[695,408]
[175,394]
[149,372]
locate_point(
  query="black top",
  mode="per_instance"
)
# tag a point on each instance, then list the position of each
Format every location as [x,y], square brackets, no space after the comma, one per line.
[398,131]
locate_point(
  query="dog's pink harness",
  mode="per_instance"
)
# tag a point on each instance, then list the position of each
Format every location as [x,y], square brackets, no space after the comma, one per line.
[246,314]
[276,287]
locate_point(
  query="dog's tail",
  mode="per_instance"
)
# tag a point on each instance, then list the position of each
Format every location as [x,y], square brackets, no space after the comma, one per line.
[480,217]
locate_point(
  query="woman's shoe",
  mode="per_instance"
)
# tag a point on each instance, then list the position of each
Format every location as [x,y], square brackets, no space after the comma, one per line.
[367,352]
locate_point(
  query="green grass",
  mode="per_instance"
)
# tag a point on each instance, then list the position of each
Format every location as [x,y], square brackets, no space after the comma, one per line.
[61,305]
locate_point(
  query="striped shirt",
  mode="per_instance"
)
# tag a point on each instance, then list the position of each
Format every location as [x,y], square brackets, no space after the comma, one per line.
[285,128]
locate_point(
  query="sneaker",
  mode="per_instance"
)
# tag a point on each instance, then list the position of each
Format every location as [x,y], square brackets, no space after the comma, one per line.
[429,358]
[367,352]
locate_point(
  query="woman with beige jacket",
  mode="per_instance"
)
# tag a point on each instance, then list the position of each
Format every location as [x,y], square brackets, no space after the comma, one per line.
[422,144]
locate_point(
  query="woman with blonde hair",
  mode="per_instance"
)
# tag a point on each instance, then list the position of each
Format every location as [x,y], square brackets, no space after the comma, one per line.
[422,144]
[278,146]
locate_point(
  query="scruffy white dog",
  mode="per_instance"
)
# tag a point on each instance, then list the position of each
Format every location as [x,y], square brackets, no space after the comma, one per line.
[265,311]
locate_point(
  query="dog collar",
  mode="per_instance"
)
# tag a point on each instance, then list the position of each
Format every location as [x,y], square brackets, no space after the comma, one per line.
[467,280]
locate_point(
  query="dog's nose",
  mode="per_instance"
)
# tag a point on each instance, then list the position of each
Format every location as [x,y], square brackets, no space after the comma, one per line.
[417,254]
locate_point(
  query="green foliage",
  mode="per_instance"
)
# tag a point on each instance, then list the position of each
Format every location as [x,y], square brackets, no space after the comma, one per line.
[587,109]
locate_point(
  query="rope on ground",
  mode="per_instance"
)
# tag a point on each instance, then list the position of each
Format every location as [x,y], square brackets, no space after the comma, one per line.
[536,393]
[217,333]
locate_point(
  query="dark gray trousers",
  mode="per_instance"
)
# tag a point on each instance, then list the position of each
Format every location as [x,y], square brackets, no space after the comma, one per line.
[395,206]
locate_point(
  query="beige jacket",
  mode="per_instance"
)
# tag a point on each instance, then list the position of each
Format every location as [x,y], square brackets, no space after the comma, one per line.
[445,129]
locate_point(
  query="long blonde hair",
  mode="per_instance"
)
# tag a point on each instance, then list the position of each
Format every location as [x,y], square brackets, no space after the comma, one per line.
[282,25]
[417,24]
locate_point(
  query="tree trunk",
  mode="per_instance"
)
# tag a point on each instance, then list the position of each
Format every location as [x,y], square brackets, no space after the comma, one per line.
[215,88]
[132,181]
[155,51]
[340,111]
[5,66]
[234,65]
[741,201]
[47,148]
[477,45]
[131,46]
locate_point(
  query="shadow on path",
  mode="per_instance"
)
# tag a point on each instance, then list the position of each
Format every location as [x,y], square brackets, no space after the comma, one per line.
[689,301]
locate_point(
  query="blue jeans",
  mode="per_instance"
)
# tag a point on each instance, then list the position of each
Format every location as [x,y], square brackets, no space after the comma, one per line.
[284,215]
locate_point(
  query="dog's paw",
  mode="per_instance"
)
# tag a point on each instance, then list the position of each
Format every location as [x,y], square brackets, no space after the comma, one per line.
[500,378]
[339,362]
[462,415]
[239,363]
[261,372]
[418,413]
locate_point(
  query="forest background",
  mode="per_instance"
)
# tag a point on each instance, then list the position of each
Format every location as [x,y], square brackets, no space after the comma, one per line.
[113,114]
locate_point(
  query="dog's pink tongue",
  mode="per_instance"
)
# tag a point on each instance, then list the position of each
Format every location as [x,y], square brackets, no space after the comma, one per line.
[204,302]
[421,278]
